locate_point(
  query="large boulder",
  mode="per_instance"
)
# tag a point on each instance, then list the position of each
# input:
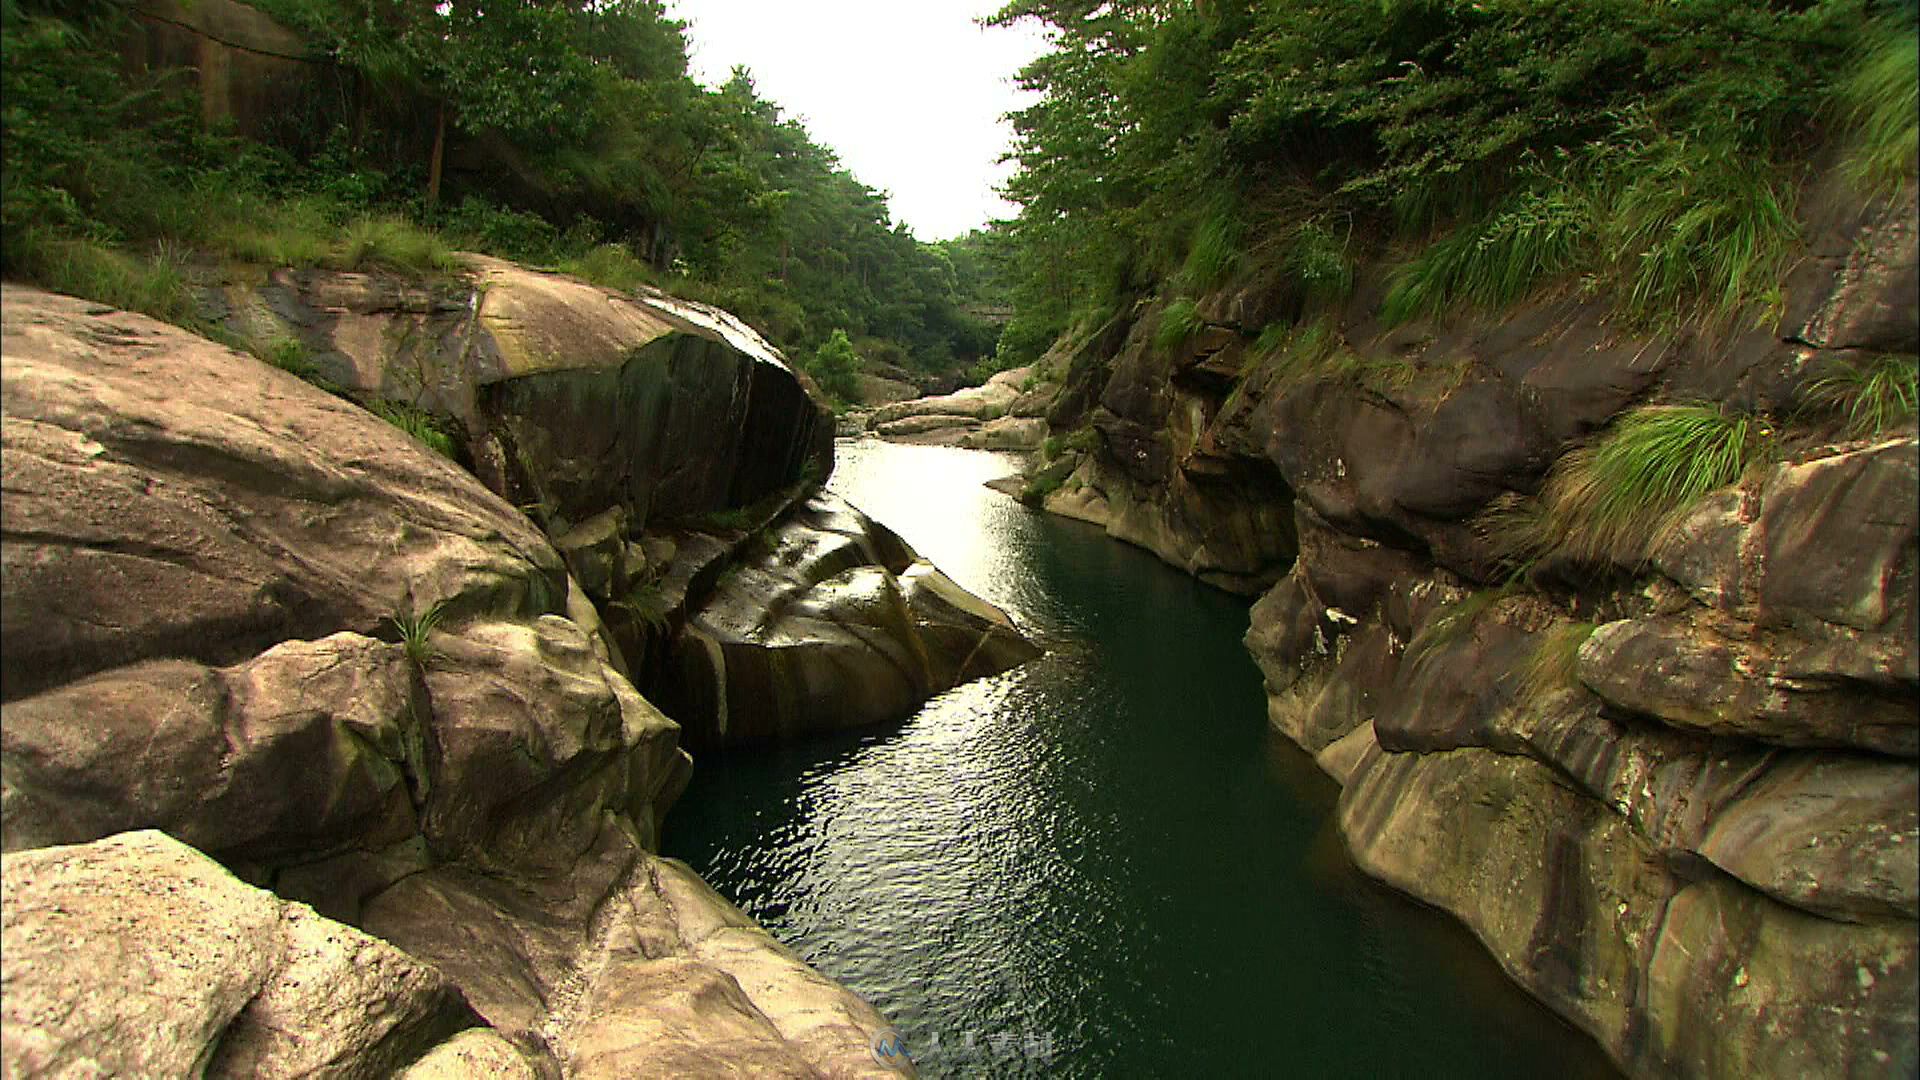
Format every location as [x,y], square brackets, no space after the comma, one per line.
[138,956]
[167,497]
[832,622]
[672,980]
[262,619]
[627,411]
[1674,976]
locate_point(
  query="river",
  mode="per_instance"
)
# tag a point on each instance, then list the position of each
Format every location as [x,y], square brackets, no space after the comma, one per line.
[1103,863]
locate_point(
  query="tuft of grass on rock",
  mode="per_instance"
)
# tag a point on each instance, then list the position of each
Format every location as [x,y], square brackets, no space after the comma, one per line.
[416,631]
[1880,104]
[391,243]
[154,285]
[422,425]
[1178,324]
[612,266]
[1448,625]
[1871,397]
[1553,663]
[1536,237]
[1612,500]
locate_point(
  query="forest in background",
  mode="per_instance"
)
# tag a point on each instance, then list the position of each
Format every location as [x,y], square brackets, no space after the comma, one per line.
[608,161]
[1484,150]
[1648,150]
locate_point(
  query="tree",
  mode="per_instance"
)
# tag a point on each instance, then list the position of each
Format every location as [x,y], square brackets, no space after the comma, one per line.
[836,367]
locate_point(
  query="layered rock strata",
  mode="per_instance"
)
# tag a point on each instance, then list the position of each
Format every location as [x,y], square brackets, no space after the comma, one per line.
[1673,791]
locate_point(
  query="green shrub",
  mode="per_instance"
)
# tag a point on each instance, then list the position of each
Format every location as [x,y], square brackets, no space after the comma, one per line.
[1871,396]
[423,426]
[1319,262]
[1880,103]
[512,234]
[836,367]
[1612,500]
[1179,322]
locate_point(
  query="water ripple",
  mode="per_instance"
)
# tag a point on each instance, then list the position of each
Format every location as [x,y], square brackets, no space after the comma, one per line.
[1104,862]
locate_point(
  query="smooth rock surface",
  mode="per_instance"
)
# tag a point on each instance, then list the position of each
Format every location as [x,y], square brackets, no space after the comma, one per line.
[137,956]
[834,624]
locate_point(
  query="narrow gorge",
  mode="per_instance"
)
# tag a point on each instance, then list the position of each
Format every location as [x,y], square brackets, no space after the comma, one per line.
[249,620]
[1391,547]
[1670,783]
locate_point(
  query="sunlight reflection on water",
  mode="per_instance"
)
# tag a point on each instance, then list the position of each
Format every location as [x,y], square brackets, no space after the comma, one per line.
[1105,859]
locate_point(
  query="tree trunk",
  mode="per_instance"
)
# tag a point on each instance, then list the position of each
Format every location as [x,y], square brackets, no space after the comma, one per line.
[439,151]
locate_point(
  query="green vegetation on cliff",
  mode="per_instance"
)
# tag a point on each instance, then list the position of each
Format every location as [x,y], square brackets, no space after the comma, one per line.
[1483,152]
[557,135]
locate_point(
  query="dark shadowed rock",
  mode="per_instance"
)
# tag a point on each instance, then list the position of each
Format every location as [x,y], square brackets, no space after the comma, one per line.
[833,623]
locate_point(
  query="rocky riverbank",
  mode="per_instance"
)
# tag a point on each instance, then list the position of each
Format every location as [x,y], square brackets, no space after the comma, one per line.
[327,752]
[1670,784]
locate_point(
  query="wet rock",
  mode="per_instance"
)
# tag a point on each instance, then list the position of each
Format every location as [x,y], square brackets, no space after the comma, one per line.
[833,624]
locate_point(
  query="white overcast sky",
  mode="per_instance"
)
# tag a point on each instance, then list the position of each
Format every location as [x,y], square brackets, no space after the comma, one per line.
[908,93]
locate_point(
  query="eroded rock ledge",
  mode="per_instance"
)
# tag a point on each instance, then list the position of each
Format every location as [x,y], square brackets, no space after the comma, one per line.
[1679,800]
[211,571]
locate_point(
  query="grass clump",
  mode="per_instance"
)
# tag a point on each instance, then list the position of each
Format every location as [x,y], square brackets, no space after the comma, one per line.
[613,266]
[1871,396]
[295,233]
[1318,262]
[1554,661]
[422,425]
[1449,625]
[1697,223]
[154,285]
[391,243]
[646,603]
[1535,237]
[1307,351]
[1213,252]
[1880,104]
[416,631]
[1178,324]
[1611,500]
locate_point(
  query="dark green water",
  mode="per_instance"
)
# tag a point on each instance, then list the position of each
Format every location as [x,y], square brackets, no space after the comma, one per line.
[1103,863]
